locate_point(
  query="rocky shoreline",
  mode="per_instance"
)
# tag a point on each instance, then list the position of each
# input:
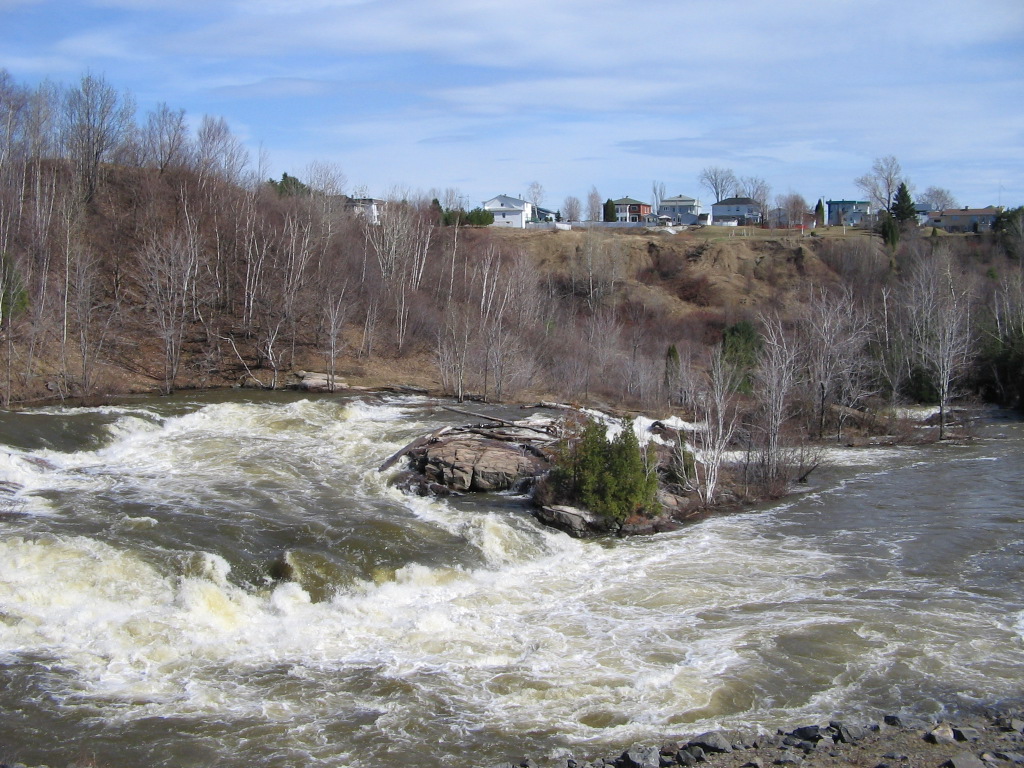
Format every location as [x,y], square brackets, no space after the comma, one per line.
[993,740]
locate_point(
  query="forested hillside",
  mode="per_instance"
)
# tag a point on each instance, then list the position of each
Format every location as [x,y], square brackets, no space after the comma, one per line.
[143,257]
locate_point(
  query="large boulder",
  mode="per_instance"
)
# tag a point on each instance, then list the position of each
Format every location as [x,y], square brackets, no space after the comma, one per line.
[578,523]
[479,464]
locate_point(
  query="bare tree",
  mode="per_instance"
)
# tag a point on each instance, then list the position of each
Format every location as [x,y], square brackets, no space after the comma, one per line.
[571,209]
[882,182]
[535,194]
[218,153]
[96,119]
[758,190]
[938,311]
[775,377]
[596,267]
[93,315]
[714,401]
[335,309]
[165,138]
[169,270]
[720,182]
[595,206]
[454,339]
[833,334]
[793,207]
[400,240]
[937,199]
[657,195]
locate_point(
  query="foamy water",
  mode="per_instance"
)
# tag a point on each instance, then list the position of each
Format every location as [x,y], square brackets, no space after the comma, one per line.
[138,591]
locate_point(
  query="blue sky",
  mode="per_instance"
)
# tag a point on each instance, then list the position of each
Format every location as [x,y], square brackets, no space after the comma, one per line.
[486,97]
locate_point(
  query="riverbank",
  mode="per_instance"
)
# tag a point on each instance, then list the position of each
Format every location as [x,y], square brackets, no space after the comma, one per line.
[991,740]
[994,739]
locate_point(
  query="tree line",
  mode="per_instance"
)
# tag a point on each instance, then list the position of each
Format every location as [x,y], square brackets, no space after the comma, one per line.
[152,249]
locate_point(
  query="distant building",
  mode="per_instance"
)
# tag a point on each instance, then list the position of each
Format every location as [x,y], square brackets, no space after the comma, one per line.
[848,213]
[628,209]
[544,214]
[964,219]
[743,209]
[510,212]
[370,207]
[679,210]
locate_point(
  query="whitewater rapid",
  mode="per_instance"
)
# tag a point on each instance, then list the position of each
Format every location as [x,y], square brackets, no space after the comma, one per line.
[139,605]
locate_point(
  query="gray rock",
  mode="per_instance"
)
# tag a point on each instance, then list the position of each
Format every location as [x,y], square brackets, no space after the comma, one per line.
[698,754]
[808,733]
[639,756]
[850,734]
[907,722]
[963,733]
[964,760]
[685,757]
[713,741]
[1011,757]
[577,522]
[942,734]
[789,760]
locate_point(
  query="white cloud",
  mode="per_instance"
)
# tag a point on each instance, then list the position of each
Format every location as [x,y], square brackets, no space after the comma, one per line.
[425,93]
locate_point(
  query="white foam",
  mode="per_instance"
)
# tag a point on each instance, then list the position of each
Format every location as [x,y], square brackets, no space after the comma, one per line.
[601,640]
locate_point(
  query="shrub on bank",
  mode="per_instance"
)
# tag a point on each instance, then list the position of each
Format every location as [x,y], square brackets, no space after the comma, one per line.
[608,477]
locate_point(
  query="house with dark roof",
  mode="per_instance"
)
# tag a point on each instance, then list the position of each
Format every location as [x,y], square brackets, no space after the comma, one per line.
[628,209]
[964,219]
[744,210]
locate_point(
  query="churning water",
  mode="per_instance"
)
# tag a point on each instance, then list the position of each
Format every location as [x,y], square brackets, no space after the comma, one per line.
[227,580]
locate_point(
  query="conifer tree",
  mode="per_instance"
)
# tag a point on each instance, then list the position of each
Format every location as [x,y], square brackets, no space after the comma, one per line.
[903,205]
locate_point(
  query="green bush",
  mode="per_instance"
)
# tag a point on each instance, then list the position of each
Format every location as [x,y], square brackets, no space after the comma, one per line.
[608,477]
[741,344]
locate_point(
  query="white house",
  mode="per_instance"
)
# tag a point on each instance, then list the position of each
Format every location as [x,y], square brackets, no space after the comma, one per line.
[510,211]
[743,209]
[370,207]
[679,209]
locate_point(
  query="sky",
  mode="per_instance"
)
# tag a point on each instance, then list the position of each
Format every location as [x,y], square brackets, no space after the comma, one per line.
[484,97]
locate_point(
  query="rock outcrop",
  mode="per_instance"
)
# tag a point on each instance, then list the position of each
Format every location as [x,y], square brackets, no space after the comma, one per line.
[578,523]
[495,456]
[476,463]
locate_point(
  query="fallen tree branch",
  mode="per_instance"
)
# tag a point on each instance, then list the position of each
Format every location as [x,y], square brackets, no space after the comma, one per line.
[495,418]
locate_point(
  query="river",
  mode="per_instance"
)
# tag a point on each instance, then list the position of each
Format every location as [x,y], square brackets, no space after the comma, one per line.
[225,579]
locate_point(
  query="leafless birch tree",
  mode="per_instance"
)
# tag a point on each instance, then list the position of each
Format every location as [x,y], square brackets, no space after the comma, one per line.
[774,380]
[571,209]
[938,307]
[712,393]
[169,269]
